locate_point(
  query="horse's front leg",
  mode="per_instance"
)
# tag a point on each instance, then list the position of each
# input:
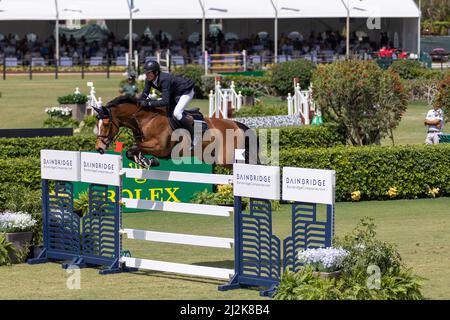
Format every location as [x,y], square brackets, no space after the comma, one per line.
[135,154]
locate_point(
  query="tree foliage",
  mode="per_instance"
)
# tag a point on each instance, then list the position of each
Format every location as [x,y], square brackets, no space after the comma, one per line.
[442,99]
[361,97]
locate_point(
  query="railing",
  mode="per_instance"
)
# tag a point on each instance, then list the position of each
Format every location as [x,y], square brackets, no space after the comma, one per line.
[163,59]
[301,103]
[221,99]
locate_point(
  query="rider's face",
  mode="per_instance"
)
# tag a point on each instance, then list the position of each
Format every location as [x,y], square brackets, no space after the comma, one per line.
[151,76]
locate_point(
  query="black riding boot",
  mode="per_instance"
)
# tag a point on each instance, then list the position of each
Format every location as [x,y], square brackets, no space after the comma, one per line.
[187,121]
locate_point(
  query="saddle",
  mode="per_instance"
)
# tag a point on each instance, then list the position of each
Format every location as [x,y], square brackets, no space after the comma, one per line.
[195,113]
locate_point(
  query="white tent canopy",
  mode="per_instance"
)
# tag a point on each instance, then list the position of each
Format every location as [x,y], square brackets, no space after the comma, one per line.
[192,9]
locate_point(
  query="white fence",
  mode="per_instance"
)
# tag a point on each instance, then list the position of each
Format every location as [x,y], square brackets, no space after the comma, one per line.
[220,100]
[301,103]
[176,238]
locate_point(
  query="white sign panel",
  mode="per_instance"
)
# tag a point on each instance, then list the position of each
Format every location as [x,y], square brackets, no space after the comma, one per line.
[60,165]
[309,185]
[101,168]
[262,182]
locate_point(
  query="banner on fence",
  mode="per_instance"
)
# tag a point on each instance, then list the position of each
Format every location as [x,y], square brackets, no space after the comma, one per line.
[309,185]
[60,165]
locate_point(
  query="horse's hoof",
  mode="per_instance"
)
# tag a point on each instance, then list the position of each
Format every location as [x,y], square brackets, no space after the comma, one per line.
[154,162]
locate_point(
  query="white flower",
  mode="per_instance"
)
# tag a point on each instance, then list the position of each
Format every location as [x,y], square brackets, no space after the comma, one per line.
[323,259]
[15,222]
[59,111]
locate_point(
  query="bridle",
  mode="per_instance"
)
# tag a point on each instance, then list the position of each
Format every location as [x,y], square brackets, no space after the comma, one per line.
[102,114]
[105,113]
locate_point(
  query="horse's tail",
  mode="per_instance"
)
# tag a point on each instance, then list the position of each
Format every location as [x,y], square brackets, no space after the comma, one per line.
[248,149]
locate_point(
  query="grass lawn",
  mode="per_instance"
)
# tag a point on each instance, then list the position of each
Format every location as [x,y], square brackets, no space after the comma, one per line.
[418,227]
[23,101]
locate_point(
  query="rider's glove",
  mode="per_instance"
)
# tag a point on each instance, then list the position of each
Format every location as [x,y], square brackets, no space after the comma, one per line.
[143,103]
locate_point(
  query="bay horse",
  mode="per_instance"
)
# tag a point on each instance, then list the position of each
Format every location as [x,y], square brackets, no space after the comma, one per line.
[153,134]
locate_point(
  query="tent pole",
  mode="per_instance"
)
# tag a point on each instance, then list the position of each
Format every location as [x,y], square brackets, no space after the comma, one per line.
[275,32]
[419,30]
[130,41]
[56,34]
[202,6]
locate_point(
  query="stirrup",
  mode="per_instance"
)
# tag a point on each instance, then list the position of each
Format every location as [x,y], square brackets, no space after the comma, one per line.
[144,162]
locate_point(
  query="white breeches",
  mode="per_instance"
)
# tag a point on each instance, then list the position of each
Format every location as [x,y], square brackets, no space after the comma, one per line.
[182,103]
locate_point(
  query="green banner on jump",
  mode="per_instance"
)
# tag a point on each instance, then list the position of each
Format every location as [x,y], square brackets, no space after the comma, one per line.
[156,190]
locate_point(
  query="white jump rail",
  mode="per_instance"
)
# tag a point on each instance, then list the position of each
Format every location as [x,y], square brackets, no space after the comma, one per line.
[179,207]
[187,269]
[176,238]
[177,176]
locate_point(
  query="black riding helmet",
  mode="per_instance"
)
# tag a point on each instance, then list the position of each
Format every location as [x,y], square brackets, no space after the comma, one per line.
[152,66]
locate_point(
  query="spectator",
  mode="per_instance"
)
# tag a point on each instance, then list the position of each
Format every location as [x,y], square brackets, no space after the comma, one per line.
[130,88]
[435,122]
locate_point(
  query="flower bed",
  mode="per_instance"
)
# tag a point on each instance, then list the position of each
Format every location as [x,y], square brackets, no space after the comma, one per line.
[270,121]
[323,259]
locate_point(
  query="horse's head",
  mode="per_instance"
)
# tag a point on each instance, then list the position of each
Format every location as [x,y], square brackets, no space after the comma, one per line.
[109,120]
[107,129]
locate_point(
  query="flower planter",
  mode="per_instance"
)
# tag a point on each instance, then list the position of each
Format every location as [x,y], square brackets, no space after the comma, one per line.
[78,110]
[20,240]
[327,275]
[249,100]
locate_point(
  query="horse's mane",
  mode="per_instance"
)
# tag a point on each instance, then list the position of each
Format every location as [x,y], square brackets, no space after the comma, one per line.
[120,100]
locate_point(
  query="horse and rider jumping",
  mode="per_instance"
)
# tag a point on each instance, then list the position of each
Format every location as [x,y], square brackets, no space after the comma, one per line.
[152,122]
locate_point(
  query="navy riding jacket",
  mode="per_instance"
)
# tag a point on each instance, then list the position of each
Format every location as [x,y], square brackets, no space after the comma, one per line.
[172,87]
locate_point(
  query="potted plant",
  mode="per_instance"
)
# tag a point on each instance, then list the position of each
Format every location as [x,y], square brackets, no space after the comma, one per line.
[17,230]
[326,262]
[248,95]
[76,102]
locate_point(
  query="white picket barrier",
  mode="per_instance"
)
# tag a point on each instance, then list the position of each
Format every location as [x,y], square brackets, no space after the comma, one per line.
[219,100]
[301,103]
[175,238]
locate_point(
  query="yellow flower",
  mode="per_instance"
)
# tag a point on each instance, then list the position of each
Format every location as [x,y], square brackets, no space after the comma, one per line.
[392,192]
[356,195]
[433,192]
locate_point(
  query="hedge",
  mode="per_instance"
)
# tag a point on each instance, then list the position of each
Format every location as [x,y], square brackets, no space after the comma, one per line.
[412,170]
[24,172]
[31,147]
[311,137]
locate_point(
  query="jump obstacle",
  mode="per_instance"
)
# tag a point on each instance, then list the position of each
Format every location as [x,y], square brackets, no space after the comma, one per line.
[96,238]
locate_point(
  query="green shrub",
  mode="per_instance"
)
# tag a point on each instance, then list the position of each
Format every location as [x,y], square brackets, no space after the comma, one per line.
[411,171]
[443,97]
[194,72]
[283,75]
[19,198]
[73,99]
[261,86]
[362,98]
[325,136]
[6,249]
[208,84]
[408,69]
[224,196]
[31,147]
[366,253]
[24,171]
[246,91]
[82,203]
[260,110]
[61,123]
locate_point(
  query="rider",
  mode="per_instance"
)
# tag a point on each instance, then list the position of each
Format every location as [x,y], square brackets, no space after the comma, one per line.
[176,93]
